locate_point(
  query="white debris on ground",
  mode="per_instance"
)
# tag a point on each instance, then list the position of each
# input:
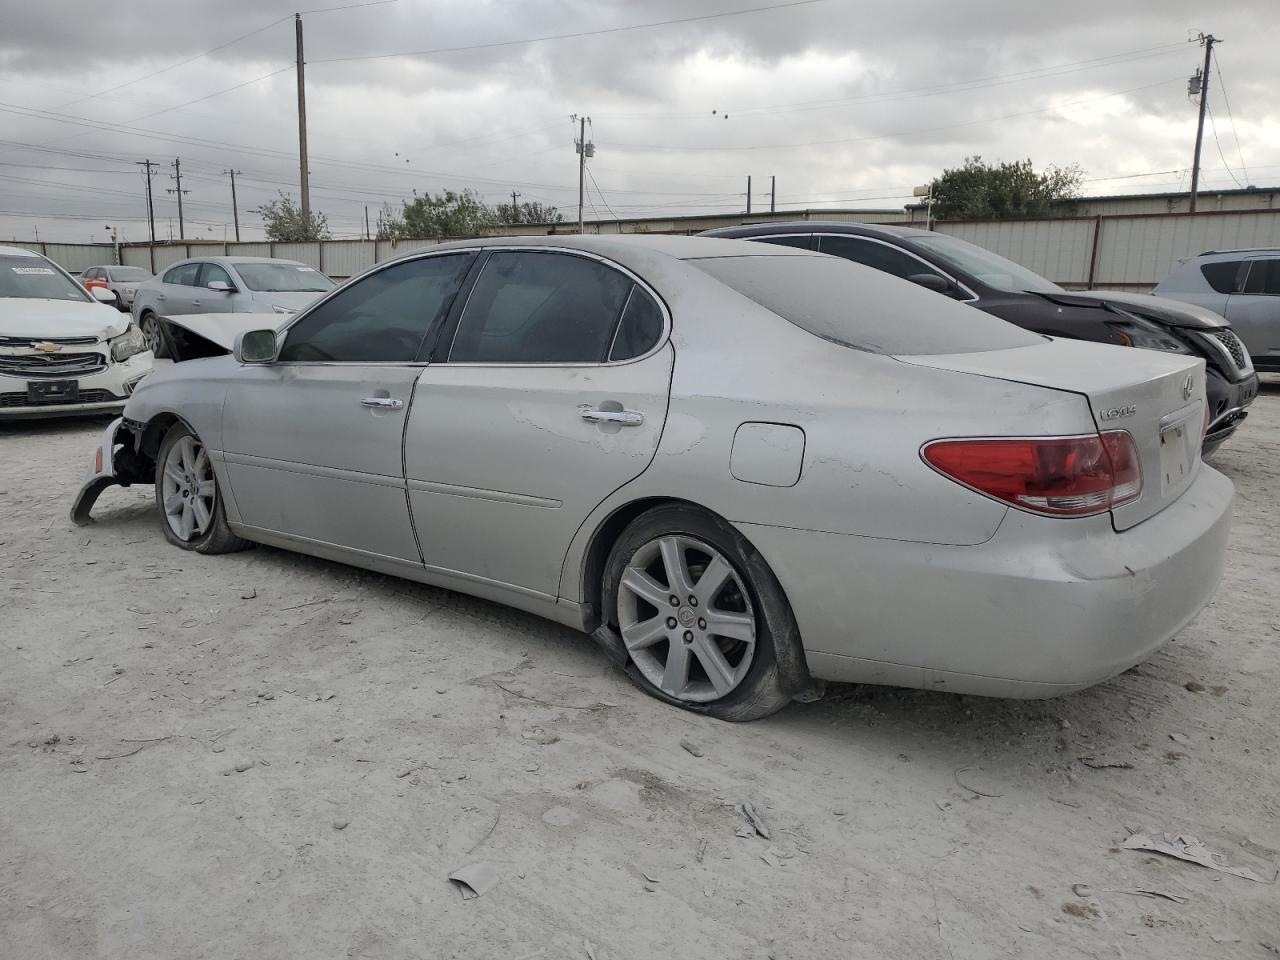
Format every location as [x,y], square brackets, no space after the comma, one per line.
[377,738]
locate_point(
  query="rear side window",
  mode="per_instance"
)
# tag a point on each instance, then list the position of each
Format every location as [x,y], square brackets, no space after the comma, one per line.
[863,309]
[183,273]
[804,242]
[1222,275]
[1264,277]
[529,307]
[640,327]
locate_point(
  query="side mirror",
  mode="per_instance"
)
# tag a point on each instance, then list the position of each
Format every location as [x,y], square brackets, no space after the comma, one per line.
[255,346]
[102,294]
[220,285]
[931,281]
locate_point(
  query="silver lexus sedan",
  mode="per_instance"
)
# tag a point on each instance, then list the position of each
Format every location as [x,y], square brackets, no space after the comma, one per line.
[744,469]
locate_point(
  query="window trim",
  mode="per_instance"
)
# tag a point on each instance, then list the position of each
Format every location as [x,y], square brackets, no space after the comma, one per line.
[636,280]
[1242,280]
[282,332]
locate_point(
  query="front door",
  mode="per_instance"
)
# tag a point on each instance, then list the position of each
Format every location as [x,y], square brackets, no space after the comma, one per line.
[313,441]
[213,301]
[548,393]
[1254,312]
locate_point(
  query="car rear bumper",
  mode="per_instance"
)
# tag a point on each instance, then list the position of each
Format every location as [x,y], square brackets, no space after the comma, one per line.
[1045,607]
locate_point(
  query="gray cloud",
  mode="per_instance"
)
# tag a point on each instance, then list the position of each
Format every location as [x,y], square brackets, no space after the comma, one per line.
[496,119]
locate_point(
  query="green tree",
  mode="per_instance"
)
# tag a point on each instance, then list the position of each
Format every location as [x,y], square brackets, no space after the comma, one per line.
[985,191]
[447,214]
[390,226]
[533,212]
[285,223]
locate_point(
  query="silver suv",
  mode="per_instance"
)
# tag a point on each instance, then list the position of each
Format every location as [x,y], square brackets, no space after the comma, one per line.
[1243,286]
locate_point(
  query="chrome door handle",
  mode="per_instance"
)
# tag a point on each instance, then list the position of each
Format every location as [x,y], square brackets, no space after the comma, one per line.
[624,418]
[390,403]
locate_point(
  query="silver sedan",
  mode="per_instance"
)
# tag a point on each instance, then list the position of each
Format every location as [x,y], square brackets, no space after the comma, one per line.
[743,469]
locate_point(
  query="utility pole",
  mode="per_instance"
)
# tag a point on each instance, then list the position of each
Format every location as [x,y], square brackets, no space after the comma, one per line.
[584,150]
[302,122]
[177,178]
[151,210]
[773,193]
[748,195]
[235,211]
[515,210]
[366,221]
[1200,83]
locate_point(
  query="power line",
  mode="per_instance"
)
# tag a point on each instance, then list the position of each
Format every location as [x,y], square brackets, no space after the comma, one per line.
[1218,143]
[1217,66]
[573,36]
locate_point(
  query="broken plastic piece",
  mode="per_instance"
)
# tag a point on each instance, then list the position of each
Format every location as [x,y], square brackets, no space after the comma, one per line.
[475,880]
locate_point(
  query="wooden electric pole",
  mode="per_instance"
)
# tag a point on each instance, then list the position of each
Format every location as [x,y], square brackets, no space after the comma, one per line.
[1207,42]
[151,210]
[303,173]
[235,211]
[177,189]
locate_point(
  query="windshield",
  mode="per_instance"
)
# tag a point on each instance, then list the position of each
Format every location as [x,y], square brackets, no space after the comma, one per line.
[283,278]
[861,307]
[984,266]
[32,278]
[128,274]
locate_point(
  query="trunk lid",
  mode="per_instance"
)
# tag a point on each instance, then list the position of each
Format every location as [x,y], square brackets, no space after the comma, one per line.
[1158,398]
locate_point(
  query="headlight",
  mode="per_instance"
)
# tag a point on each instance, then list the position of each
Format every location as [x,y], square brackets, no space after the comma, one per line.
[1138,332]
[128,344]
[276,308]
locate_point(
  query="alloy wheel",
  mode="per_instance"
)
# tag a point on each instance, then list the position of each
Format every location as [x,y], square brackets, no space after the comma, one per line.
[151,333]
[189,491]
[686,619]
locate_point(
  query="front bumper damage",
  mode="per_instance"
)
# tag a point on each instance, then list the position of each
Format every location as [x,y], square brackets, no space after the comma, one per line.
[115,461]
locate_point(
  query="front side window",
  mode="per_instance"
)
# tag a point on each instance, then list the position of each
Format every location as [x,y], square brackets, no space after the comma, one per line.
[382,318]
[879,256]
[266,277]
[534,307]
[1263,278]
[984,266]
[212,272]
[34,278]
[184,274]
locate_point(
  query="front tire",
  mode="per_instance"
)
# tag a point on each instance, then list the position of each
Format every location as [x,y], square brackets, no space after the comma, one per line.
[700,613]
[153,334]
[187,495]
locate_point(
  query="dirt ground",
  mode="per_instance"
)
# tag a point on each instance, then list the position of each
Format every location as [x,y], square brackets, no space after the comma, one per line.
[391,733]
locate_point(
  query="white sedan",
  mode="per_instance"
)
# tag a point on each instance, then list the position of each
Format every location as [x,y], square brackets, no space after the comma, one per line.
[63,350]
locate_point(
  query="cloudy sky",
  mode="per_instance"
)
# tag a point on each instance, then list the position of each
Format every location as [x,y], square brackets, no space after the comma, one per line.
[850,103]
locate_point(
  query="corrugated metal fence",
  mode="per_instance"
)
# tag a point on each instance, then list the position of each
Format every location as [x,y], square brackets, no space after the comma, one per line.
[1133,252]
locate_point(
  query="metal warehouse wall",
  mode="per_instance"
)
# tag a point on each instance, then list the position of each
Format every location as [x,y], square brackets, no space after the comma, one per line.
[1133,251]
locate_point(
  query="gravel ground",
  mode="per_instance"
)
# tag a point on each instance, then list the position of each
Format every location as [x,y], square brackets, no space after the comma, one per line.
[263,755]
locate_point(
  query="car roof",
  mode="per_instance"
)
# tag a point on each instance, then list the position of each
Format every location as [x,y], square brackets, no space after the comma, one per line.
[233,260]
[780,227]
[628,249]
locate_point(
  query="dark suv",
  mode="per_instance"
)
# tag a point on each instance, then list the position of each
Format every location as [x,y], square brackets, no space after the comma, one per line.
[965,272]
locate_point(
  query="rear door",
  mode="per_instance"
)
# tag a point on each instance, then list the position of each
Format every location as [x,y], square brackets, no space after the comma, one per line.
[314,441]
[546,395]
[178,290]
[1254,311]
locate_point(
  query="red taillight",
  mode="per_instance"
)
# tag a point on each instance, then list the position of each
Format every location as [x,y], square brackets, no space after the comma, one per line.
[1061,476]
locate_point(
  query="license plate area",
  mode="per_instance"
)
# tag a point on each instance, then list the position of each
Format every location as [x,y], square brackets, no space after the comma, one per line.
[1177,456]
[45,392]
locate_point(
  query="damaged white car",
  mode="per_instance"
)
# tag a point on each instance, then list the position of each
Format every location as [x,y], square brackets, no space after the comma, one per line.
[62,350]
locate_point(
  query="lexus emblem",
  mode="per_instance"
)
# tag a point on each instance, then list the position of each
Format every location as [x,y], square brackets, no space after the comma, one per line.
[1188,386]
[45,346]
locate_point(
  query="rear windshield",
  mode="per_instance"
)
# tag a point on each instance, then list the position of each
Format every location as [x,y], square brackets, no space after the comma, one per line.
[283,278]
[33,278]
[856,306]
[128,274]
